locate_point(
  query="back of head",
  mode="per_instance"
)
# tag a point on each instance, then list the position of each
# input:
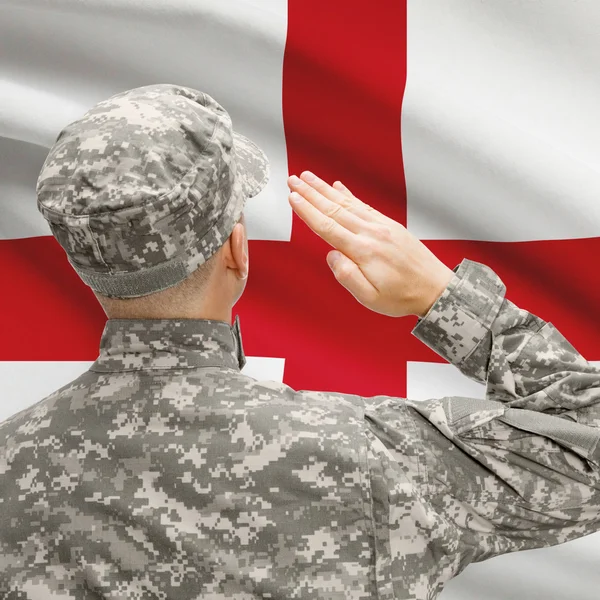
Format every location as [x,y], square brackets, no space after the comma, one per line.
[145,188]
[186,299]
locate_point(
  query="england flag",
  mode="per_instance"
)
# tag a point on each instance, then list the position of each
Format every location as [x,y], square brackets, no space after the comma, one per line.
[473,122]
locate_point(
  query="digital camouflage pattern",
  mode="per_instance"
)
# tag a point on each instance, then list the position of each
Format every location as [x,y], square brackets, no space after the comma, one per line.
[147,186]
[164,472]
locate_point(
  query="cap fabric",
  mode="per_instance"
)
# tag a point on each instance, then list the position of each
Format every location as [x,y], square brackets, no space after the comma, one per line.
[146,187]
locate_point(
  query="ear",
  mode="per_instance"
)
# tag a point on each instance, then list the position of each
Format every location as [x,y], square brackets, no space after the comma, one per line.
[237,256]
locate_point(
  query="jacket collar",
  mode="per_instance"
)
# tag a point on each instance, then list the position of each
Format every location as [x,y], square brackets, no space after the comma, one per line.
[142,344]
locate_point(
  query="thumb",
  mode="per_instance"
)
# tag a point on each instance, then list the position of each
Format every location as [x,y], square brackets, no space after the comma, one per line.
[351,277]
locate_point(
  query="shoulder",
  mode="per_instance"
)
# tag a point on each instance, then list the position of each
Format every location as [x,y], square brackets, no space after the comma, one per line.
[274,393]
[48,406]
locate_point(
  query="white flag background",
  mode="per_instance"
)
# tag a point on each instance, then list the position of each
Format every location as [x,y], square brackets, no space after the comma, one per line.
[474,122]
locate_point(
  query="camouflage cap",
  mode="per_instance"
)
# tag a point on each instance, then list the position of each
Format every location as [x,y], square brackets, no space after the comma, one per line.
[147,186]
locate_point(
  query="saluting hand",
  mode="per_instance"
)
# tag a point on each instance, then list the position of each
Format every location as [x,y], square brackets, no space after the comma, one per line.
[384,266]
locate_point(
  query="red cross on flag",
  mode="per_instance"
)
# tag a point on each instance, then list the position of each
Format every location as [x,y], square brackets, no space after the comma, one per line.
[474,123]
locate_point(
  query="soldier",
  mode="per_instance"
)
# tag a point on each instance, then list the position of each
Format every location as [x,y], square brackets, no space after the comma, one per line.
[164,472]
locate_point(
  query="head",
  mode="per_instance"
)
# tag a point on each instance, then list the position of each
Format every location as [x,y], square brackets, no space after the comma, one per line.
[145,193]
[210,292]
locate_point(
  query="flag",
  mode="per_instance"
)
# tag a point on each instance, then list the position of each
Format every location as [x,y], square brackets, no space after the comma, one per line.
[474,123]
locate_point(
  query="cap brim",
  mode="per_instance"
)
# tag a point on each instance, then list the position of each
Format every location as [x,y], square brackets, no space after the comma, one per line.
[252,165]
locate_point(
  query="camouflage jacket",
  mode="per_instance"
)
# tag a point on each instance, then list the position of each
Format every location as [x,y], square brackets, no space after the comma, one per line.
[165,473]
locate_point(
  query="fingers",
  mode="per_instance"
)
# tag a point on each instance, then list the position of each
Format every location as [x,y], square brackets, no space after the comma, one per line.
[325,227]
[340,187]
[335,210]
[342,197]
[351,277]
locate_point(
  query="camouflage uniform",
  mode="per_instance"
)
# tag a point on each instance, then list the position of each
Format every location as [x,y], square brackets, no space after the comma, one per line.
[164,472]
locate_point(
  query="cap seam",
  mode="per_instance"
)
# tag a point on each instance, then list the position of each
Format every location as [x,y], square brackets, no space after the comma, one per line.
[97,246]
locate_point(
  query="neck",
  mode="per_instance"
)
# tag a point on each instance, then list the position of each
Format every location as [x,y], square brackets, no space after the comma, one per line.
[208,307]
[213,314]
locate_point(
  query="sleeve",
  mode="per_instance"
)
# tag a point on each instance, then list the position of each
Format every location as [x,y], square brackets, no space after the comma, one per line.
[531,447]
[517,470]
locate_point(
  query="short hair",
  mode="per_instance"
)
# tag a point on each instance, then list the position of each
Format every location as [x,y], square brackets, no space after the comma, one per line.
[175,298]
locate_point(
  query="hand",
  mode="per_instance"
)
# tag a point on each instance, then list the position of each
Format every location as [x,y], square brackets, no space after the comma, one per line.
[376,259]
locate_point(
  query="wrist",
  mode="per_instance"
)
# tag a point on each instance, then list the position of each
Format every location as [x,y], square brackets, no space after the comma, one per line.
[434,291]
